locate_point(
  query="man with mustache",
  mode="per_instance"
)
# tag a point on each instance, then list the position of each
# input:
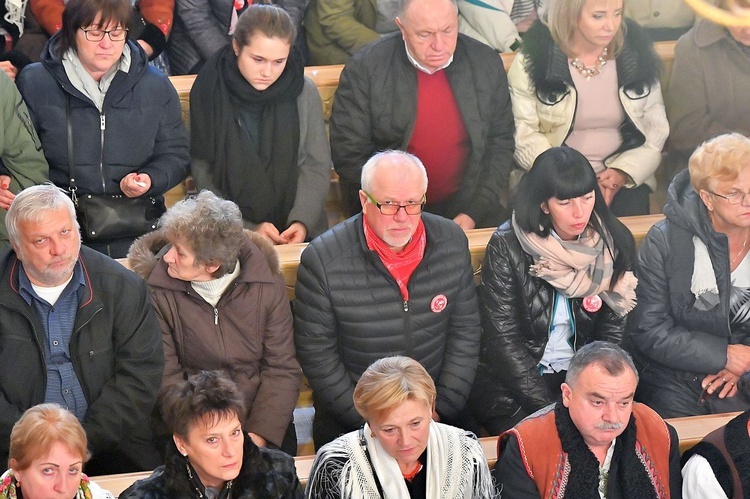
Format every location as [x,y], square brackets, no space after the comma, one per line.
[76,329]
[596,442]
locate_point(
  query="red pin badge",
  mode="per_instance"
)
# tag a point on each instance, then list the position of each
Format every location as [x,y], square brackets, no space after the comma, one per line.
[438,303]
[592,303]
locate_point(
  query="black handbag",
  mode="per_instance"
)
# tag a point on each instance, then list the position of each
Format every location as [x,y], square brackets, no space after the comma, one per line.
[104,217]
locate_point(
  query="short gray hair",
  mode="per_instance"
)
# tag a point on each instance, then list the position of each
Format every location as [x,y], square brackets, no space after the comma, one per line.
[407,160]
[210,226]
[32,203]
[612,358]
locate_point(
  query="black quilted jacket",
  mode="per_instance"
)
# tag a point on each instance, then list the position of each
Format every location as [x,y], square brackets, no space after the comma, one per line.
[516,310]
[349,312]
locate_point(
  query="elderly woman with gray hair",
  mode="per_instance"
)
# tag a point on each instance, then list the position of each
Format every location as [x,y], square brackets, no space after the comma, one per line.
[222,305]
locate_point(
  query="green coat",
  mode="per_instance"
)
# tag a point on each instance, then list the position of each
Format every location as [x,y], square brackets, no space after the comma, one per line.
[22,158]
[336,29]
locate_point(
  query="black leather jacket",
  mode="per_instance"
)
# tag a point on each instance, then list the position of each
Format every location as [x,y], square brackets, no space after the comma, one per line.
[516,310]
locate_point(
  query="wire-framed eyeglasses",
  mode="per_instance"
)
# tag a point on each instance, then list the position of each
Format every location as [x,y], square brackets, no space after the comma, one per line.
[391,209]
[97,35]
[733,198]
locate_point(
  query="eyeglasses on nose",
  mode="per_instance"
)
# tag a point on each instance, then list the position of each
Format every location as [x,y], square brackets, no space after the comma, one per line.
[97,35]
[391,209]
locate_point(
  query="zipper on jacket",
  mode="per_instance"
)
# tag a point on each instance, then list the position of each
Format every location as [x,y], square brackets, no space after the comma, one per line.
[216,316]
[406,305]
[102,127]
[76,366]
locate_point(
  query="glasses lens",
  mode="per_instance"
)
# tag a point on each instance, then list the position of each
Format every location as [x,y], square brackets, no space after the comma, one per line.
[94,35]
[413,209]
[389,209]
[118,35]
[735,198]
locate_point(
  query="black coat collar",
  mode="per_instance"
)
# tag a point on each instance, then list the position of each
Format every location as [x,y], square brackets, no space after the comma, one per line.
[638,65]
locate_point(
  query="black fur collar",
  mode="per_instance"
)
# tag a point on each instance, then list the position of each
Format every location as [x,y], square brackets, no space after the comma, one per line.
[738,445]
[583,482]
[638,65]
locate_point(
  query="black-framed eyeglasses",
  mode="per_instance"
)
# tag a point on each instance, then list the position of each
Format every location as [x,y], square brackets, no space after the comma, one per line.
[97,35]
[391,209]
[734,198]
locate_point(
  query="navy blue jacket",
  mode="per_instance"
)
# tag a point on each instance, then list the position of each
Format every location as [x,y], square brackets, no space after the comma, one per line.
[143,129]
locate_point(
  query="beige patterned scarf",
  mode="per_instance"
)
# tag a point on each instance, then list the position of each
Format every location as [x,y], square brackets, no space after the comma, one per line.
[579,268]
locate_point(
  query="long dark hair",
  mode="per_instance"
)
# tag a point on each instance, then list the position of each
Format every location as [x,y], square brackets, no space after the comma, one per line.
[564,173]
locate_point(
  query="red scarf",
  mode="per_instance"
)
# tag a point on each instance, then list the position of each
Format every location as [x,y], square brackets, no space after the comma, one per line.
[400,265]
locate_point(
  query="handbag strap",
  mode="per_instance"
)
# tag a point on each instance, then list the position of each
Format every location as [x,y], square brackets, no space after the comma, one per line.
[363,444]
[71,163]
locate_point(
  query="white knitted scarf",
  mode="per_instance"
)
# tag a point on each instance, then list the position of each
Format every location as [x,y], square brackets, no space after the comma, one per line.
[15,12]
[456,467]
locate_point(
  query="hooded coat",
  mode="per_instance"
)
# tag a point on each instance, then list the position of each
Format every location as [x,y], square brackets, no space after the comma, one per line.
[139,129]
[675,345]
[248,334]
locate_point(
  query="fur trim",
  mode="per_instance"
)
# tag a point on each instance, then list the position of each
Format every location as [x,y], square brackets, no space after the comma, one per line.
[145,252]
[583,481]
[142,256]
[638,65]
[267,248]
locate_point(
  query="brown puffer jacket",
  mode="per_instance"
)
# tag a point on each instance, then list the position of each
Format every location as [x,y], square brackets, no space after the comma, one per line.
[248,334]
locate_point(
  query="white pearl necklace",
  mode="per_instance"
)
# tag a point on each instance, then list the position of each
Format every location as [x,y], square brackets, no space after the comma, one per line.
[594,70]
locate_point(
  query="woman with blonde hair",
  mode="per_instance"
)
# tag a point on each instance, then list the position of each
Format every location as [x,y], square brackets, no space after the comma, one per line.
[690,332]
[588,79]
[400,452]
[47,454]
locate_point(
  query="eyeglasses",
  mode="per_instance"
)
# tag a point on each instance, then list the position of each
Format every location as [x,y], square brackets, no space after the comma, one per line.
[97,35]
[733,198]
[391,209]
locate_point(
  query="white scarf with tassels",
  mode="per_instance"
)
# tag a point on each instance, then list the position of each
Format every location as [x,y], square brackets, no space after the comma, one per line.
[456,467]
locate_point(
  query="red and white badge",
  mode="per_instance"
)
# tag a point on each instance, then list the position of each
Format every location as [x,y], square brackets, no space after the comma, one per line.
[592,303]
[438,303]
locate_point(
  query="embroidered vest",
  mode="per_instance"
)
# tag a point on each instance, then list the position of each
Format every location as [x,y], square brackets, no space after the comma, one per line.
[733,443]
[547,464]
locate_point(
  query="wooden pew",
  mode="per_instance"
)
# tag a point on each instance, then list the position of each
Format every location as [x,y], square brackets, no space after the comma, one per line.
[119,482]
[478,238]
[689,429]
[326,78]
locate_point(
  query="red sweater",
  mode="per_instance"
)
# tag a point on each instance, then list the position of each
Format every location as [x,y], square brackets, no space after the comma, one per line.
[439,138]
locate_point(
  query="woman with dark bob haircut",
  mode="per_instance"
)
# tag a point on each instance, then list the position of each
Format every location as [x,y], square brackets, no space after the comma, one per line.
[210,454]
[554,278]
[109,123]
[222,304]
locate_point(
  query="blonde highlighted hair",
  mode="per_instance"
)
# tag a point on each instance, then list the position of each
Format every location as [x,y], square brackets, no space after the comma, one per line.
[41,427]
[720,159]
[389,382]
[562,18]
